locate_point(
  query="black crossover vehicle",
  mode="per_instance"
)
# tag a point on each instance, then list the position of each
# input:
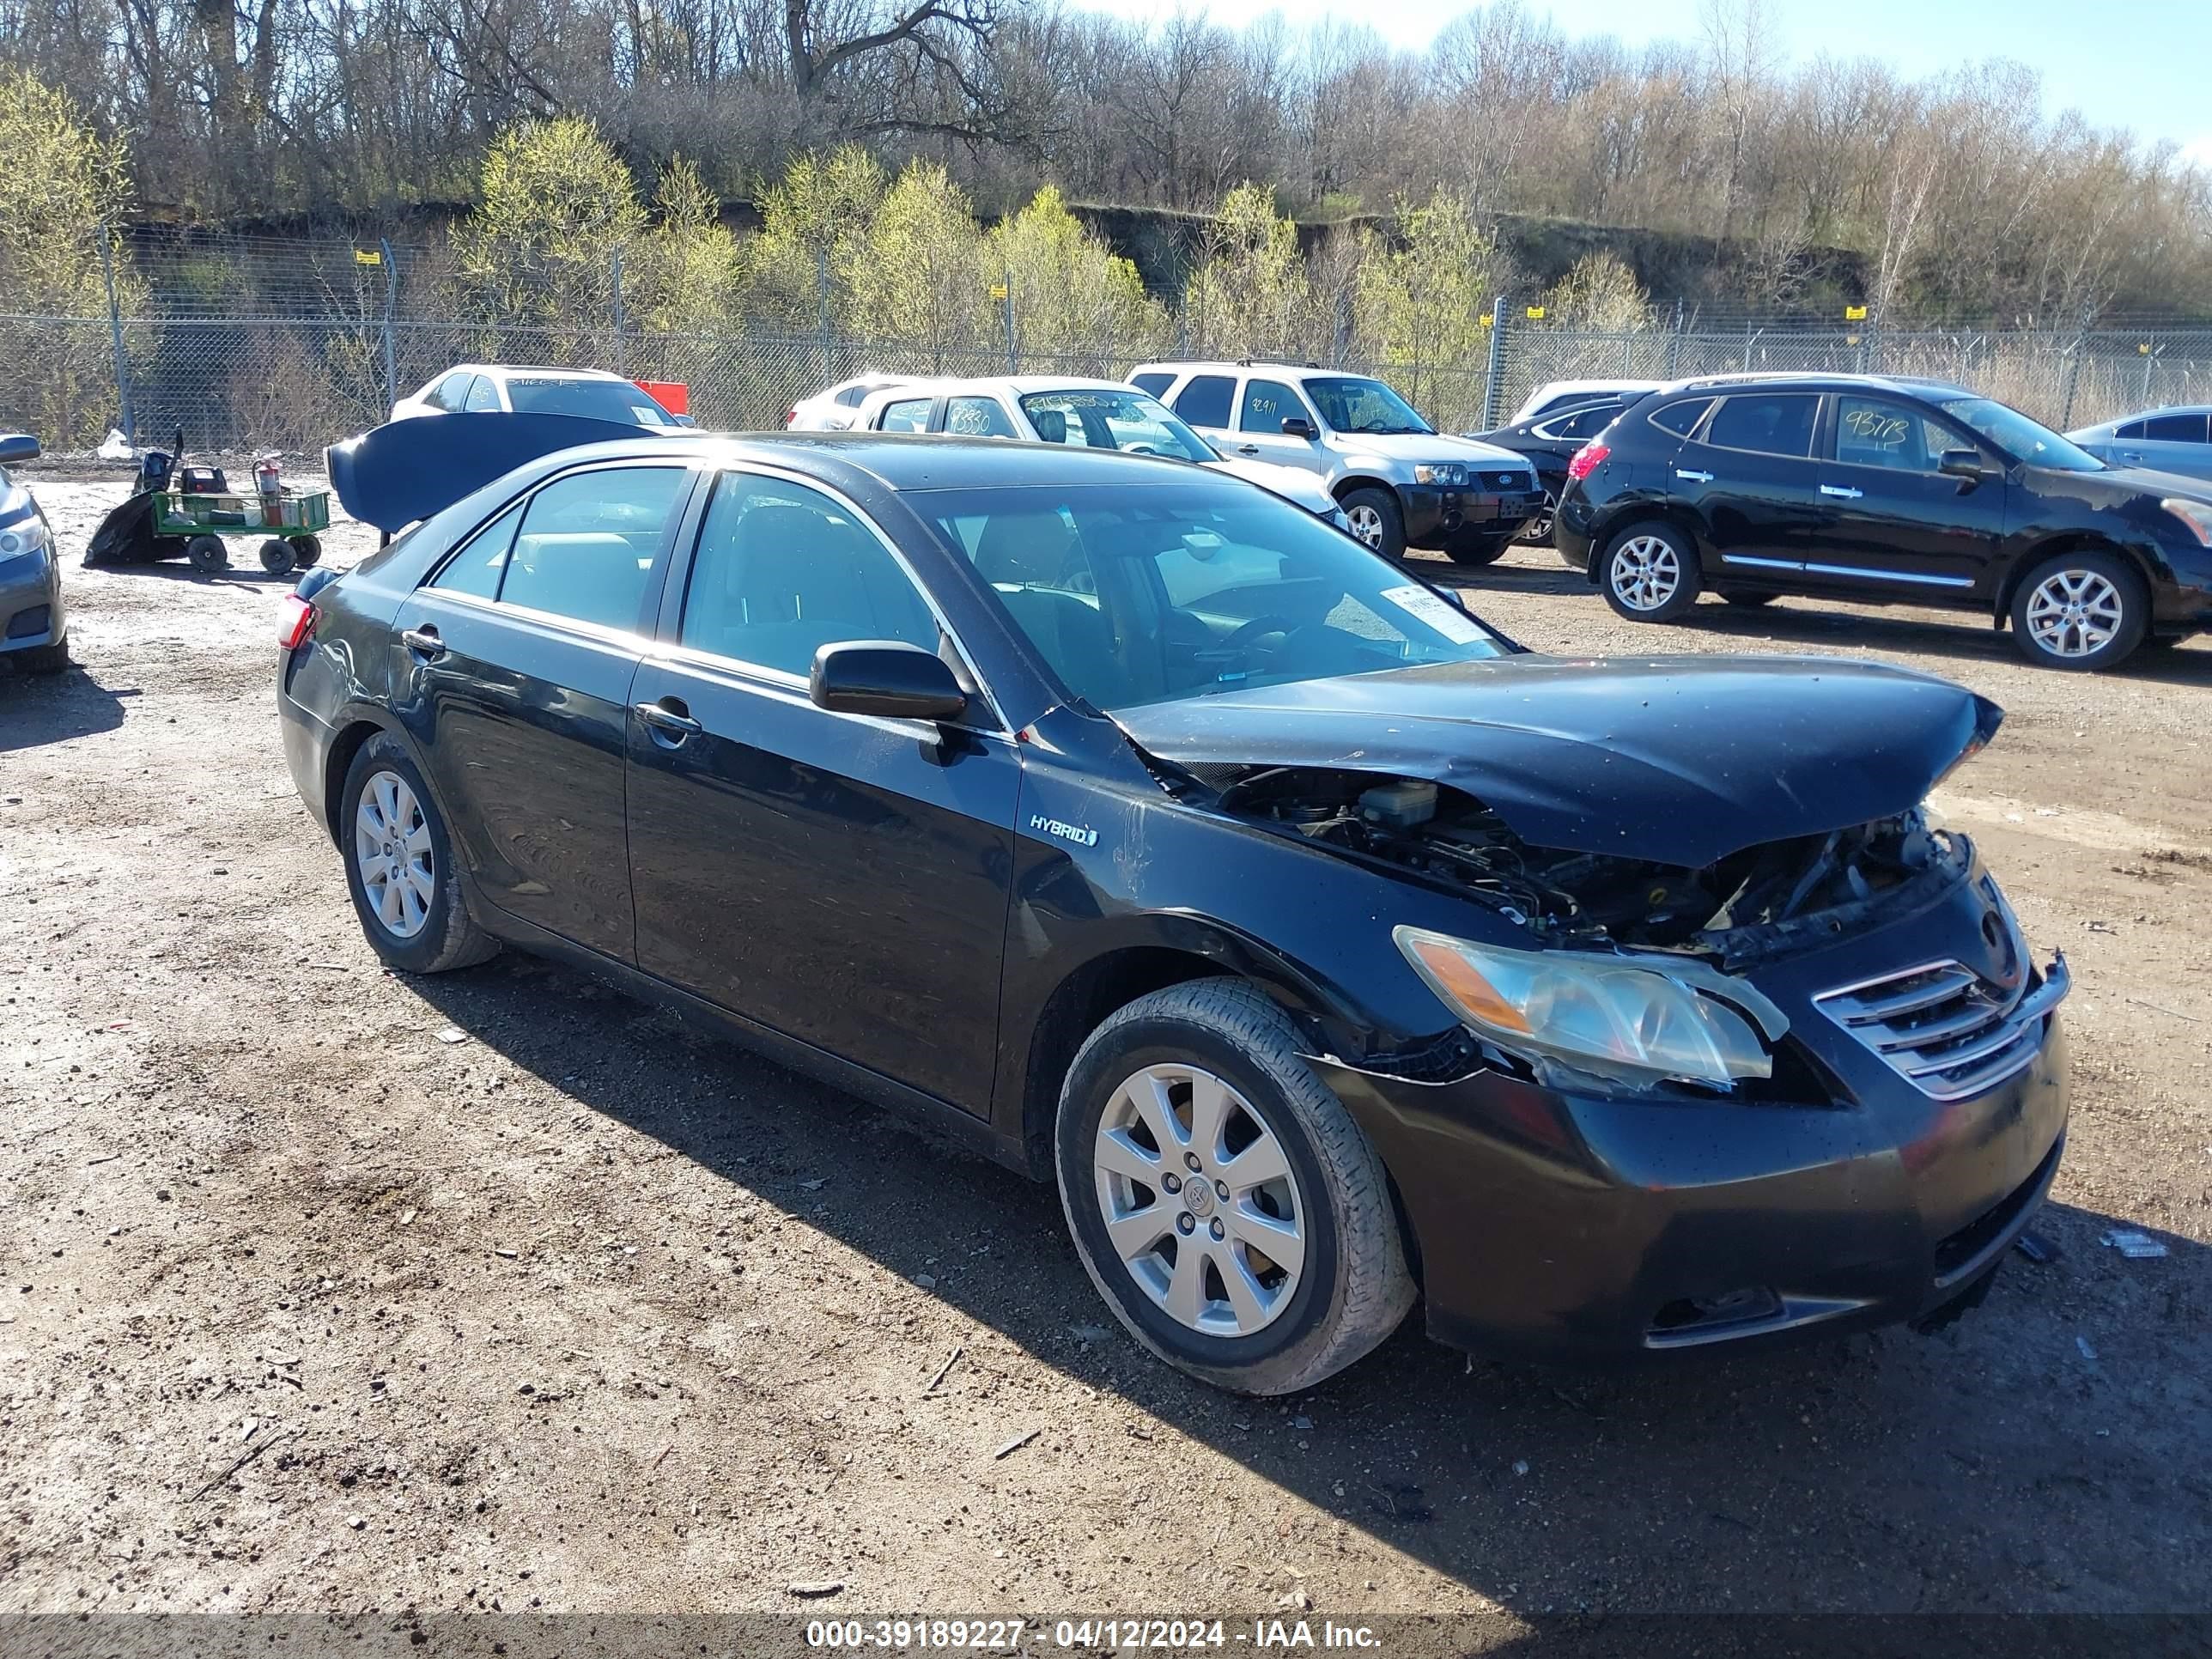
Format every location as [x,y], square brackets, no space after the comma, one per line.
[1156,838]
[1550,440]
[1886,491]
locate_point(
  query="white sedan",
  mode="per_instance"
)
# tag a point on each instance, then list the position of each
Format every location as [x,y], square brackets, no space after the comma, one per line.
[506,388]
[1094,414]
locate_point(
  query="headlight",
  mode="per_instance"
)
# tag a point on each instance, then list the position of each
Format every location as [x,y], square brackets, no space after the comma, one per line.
[1441,472]
[2196,515]
[26,537]
[1640,1021]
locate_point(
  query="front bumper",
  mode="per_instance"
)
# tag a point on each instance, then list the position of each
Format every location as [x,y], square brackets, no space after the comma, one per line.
[1434,515]
[1581,1226]
[31,611]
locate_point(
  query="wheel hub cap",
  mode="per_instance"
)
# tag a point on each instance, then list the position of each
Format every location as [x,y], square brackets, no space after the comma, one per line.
[1646,573]
[2074,613]
[391,852]
[1172,1141]
[1367,524]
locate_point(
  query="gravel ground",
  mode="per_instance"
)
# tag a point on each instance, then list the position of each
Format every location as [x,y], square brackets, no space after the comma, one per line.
[328,1290]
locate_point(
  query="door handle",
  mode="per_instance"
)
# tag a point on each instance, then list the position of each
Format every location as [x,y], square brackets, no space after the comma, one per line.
[1694,477]
[1841,492]
[424,642]
[671,720]
[2131,454]
[1247,449]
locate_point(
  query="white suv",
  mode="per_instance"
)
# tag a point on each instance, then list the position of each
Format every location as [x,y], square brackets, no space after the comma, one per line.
[1400,482]
[1062,410]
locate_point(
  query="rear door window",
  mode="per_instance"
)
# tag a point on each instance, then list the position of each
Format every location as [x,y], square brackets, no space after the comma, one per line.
[2174,429]
[978,417]
[1582,423]
[908,414]
[1205,401]
[1766,423]
[589,544]
[484,396]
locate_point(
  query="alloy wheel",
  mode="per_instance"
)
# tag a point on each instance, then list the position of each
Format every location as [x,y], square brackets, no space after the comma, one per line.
[1646,573]
[2074,613]
[392,850]
[1366,524]
[1200,1201]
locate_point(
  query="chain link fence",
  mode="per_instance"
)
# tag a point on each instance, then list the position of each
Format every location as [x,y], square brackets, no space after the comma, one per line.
[292,346]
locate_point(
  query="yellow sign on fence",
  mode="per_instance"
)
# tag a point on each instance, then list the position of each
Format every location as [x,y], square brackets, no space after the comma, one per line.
[368,255]
[998,290]
[1535,313]
[1855,313]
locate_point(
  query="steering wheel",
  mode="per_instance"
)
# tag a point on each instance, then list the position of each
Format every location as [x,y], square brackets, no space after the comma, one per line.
[1255,629]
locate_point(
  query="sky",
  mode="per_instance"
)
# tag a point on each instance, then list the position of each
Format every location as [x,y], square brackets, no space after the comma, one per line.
[2139,65]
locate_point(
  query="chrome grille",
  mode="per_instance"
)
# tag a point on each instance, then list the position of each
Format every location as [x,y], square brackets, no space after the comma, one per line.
[1948,1030]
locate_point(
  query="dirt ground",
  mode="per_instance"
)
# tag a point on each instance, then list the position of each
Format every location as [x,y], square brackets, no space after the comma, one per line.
[328,1290]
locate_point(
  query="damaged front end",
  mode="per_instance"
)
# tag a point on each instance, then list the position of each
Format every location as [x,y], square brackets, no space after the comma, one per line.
[1626,970]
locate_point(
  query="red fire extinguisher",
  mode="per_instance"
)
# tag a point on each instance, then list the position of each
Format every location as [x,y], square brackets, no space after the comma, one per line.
[269,480]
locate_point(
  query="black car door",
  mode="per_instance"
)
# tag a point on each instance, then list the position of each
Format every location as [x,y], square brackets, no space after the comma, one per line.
[512,669]
[839,879]
[1896,525]
[1747,475]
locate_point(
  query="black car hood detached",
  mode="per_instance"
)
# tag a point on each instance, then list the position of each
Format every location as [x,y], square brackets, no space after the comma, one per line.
[1679,760]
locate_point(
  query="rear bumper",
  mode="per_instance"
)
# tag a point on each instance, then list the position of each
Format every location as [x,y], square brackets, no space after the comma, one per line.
[306,738]
[31,611]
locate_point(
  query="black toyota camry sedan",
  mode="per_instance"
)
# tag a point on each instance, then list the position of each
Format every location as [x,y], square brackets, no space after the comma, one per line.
[1326,948]
[1886,492]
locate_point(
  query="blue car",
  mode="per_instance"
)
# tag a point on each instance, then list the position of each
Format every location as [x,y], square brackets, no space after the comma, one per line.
[33,626]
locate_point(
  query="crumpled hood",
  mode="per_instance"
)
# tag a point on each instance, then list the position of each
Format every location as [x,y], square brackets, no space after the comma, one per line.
[1679,760]
[1292,483]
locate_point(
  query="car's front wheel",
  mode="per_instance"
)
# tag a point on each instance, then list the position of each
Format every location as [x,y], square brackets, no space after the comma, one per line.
[1221,1199]
[1649,572]
[2086,610]
[399,865]
[1374,517]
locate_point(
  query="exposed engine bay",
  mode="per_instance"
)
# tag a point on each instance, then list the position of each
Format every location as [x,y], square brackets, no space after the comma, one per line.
[1762,900]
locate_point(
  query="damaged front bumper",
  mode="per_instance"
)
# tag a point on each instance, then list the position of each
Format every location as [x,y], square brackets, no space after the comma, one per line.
[1555,1220]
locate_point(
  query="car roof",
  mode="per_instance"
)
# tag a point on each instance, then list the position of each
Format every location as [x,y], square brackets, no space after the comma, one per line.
[1252,366]
[524,368]
[904,461]
[1021,385]
[1793,380]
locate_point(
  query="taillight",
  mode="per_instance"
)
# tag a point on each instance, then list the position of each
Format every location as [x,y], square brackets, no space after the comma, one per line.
[1590,457]
[791,415]
[297,622]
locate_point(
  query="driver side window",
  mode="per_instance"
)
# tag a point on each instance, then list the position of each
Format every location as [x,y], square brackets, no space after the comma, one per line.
[1869,433]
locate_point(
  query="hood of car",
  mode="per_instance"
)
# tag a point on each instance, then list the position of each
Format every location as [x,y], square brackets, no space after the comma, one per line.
[1292,483]
[1679,760]
[2117,486]
[1408,446]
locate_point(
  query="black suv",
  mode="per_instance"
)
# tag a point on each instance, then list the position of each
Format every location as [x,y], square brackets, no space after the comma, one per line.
[1550,440]
[1886,491]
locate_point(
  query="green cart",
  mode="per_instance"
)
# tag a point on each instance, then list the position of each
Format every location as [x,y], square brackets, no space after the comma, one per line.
[288,526]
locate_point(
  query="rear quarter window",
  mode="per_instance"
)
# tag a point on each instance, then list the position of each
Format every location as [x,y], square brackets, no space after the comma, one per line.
[1681,418]
[1154,383]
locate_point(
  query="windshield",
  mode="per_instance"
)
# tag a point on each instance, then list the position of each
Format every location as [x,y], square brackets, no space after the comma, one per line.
[1112,420]
[596,400]
[1158,593]
[2018,436]
[1348,403]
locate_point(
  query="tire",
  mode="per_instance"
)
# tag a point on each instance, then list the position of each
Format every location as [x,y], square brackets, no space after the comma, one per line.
[1477,550]
[306,551]
[43,658]
[207,553]
[2083,611]
[1649,572]
[1350,1286]
[1376,519]
[277,556]
[425,938]
[1746,598]
[1537,532]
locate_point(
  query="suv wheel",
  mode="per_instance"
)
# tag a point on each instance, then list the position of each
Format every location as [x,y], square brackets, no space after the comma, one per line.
[1374,517]
[399,865]
[1221,1198]
[1650,572]
[2079,611]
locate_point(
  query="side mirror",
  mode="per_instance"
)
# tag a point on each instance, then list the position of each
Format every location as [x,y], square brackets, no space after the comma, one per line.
[686,420]
[18,447]
[1297,426]
[1967,463]
[886,677]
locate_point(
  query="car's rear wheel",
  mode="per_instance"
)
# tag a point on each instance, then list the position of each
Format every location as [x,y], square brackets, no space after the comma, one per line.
[1374,518]
[1221,1199]
[2083,611]
[1650,572]
[399,865]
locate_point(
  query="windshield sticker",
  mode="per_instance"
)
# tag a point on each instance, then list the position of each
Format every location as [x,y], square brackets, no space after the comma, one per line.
[1441,615]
